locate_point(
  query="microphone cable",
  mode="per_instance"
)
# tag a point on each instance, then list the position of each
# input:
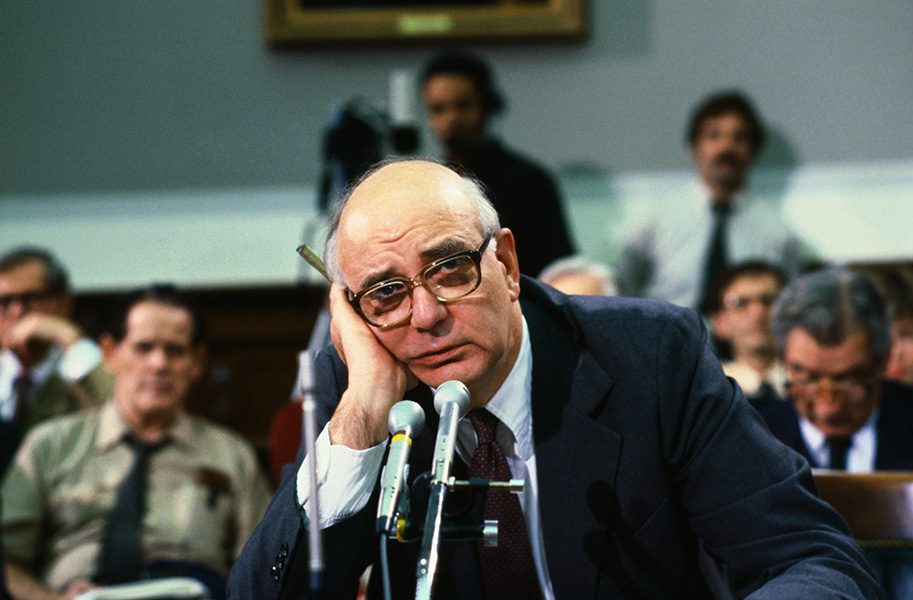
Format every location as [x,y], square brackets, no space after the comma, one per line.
[385,567]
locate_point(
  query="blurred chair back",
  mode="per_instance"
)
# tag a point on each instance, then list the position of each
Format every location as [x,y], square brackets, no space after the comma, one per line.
[878,506]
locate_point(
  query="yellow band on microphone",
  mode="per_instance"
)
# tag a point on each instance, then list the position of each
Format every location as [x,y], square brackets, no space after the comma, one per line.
[401,436]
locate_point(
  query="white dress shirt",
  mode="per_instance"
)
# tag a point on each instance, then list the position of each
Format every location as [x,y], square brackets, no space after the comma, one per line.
[861,456]
[751,381]
[346,477]
[664,256]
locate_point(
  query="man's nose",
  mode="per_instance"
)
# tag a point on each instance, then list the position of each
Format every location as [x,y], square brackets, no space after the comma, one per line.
[826,400]
[157,358]
[758,309]
[427,310]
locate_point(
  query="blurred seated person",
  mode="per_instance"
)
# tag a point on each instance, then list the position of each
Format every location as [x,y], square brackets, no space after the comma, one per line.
[579,275]
[47,364]
[740,306]
[832,328]
[676,250]
[461,100]
[136,488]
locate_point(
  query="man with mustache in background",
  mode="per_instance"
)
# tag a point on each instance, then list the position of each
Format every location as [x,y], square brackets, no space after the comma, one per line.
[678,250]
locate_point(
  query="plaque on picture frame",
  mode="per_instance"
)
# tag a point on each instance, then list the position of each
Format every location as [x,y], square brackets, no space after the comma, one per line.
[308,22]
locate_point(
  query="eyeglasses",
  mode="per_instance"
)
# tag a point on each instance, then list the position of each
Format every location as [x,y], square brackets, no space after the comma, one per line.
[849,390]
[389,303]
[734,301]
[26,300]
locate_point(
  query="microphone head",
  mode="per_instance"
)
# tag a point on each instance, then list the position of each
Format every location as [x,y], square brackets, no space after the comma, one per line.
[452,391]
[305,372]
[406,414]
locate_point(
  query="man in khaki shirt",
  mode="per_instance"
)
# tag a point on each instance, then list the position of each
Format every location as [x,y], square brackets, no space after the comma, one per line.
[205,491]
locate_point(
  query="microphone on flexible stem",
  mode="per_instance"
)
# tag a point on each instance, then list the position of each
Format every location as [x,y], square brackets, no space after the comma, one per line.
[451,400]
[406,420]
[402,130]
[309,427]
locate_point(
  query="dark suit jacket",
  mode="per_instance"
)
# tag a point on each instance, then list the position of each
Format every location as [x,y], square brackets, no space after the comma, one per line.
[894,428]
[644,450]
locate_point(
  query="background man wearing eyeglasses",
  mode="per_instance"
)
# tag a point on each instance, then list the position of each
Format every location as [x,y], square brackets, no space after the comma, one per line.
[47,365]
[635,449]
[740,305]
[833,331]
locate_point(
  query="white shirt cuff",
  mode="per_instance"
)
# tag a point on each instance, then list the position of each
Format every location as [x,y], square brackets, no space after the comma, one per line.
[345,479]
[79,359]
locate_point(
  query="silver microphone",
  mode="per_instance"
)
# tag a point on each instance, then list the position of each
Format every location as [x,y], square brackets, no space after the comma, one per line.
[309,434]
[451,401]
[406,420]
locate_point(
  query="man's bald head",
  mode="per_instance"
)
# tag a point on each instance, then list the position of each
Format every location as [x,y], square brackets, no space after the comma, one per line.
[374,202]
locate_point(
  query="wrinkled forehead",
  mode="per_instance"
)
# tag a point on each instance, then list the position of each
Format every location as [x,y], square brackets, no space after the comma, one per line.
[402,197]
[399,212]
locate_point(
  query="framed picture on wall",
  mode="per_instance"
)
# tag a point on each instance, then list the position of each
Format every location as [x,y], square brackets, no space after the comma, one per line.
[301,22]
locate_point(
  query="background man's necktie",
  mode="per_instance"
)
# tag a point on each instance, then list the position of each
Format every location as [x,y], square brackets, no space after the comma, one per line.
[838,449]
[508,570]
[121,552]
[717,254]
[22,386]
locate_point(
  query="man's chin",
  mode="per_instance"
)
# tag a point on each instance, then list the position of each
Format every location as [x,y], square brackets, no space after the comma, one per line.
[837,432]
[434,377]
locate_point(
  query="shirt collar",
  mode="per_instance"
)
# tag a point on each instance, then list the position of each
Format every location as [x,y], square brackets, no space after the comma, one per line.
[113,427]
[512,404]
[39,373]
[817,443]
[750,380]
[703,192]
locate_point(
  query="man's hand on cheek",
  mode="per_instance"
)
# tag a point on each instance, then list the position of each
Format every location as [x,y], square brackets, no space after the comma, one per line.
[377,380]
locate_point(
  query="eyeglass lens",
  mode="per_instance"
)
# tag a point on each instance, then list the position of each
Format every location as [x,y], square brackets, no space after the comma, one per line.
[447,280]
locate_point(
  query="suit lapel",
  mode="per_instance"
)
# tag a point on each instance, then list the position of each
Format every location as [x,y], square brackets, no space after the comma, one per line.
[576,457]
[894,450]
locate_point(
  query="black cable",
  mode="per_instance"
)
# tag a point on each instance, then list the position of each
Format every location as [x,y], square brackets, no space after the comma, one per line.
[385,567]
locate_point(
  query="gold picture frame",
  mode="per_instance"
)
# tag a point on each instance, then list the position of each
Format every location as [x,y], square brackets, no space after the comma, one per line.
[303,22]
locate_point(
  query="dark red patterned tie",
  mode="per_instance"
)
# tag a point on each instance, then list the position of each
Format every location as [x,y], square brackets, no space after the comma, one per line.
[508,570]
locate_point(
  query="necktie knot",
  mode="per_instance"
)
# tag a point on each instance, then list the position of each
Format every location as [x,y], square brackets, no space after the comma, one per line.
[484,423]
[141,448]
[720,209]
[838,449]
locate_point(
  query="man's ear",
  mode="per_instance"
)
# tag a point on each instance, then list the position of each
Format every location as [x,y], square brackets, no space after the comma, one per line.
[506,253]
[108,346]
[200,353]
[720,326]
